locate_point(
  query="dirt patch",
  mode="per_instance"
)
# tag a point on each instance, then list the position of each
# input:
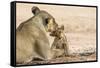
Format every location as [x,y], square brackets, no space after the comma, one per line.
[71,58]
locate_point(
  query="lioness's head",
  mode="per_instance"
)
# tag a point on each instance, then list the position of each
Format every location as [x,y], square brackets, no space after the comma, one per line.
[48,21]
[51,25]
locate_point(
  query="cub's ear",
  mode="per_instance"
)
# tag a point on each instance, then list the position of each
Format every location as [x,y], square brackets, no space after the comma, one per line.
[35,10]
[62,27]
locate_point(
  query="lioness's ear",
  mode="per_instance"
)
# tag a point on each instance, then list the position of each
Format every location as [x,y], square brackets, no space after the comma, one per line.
[35,10]
[62,27]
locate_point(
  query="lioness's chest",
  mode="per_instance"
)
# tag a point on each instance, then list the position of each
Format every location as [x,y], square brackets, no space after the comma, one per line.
[50,38]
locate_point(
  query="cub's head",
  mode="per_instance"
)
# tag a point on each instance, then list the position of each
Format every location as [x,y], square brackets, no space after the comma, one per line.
[50,25]
[58,32]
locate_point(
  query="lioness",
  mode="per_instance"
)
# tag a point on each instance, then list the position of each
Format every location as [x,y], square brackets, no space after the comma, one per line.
[31,39]
[59,46]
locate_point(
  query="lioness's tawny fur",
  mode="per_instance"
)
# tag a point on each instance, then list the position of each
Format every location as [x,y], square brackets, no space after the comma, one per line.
[31,39]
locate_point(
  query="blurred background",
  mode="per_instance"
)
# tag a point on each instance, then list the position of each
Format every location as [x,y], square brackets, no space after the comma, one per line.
[79,23]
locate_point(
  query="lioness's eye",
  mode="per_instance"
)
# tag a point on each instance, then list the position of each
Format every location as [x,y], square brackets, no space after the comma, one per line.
[46,21]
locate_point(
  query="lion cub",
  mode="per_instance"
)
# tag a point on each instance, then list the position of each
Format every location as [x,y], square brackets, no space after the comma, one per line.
[59,46]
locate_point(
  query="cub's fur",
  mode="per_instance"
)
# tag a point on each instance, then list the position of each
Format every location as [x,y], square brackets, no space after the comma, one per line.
[59,45]
[31,40]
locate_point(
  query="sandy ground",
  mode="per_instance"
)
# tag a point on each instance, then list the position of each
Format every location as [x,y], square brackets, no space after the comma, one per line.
[80,28]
